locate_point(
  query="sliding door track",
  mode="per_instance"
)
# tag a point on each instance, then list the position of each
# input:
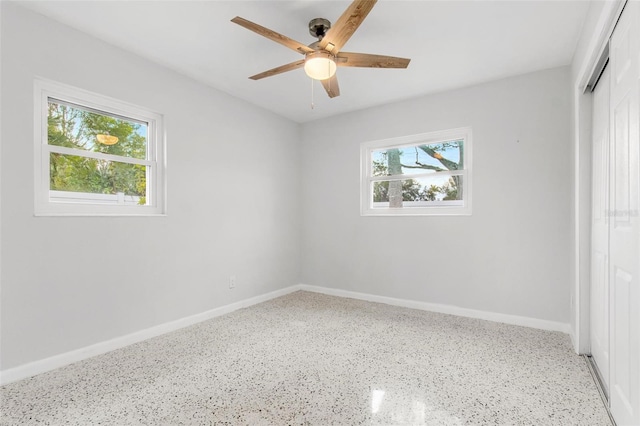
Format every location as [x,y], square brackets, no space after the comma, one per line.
[597,379]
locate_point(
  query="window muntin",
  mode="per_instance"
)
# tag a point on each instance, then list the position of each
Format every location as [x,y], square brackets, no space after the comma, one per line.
[96,155]
[417,175]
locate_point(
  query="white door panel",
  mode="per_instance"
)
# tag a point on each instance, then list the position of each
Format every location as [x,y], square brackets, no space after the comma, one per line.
[624,223]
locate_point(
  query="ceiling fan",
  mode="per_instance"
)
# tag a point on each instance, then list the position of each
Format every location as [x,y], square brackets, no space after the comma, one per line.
[321,58]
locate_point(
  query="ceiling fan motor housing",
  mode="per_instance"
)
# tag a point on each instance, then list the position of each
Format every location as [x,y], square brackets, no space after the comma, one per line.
[318,27]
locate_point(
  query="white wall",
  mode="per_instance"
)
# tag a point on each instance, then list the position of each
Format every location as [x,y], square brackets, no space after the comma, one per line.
[69,282]
[512,256]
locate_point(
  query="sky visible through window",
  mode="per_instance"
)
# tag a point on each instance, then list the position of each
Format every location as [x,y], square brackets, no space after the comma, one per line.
[410,155]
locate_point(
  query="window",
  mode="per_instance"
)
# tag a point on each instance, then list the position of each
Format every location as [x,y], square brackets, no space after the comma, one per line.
[95,155]
[427,174]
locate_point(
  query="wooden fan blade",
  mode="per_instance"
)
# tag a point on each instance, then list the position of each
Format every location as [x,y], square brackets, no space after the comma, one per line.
[331,86]
[346,25]
[279,70]
[272,35]
[349,59]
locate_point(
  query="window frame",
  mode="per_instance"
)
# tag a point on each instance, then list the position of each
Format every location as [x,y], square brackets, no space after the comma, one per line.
[155,162]
[367,178]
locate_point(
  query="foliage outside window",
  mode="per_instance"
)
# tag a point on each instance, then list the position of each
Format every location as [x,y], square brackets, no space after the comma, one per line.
[95,155]
[426,174]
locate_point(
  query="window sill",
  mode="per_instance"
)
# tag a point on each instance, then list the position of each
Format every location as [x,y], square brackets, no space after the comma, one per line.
[432,211]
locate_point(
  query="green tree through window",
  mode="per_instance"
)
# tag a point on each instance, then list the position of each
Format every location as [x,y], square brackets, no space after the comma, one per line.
[77,128]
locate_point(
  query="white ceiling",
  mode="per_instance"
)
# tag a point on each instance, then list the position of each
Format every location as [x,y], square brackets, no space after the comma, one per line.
[451,44]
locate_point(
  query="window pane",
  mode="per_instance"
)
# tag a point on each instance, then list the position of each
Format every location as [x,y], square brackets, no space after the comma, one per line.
[87,176]
[419,192]
[422,158]
[75,127]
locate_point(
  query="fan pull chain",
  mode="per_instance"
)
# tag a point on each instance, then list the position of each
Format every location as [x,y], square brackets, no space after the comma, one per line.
[312,103]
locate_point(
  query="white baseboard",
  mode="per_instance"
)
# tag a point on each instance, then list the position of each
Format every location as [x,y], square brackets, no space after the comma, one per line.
[57,361]
[443,309]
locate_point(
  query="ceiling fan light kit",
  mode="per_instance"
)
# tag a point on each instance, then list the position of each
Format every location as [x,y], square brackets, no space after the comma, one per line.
[320,65]
[322,57]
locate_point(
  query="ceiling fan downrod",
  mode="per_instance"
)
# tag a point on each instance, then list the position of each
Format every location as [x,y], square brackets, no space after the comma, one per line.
[318,27]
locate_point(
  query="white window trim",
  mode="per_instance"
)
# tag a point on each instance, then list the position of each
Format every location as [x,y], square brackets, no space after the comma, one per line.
[435,209]
[156,183]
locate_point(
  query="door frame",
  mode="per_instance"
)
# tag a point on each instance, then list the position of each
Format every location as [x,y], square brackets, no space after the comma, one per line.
[582,107]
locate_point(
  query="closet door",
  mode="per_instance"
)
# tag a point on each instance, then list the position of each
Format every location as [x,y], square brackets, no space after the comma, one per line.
[624,221]
[600,229]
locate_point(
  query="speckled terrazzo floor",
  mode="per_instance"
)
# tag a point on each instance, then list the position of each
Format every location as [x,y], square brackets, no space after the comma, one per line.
[313,359]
